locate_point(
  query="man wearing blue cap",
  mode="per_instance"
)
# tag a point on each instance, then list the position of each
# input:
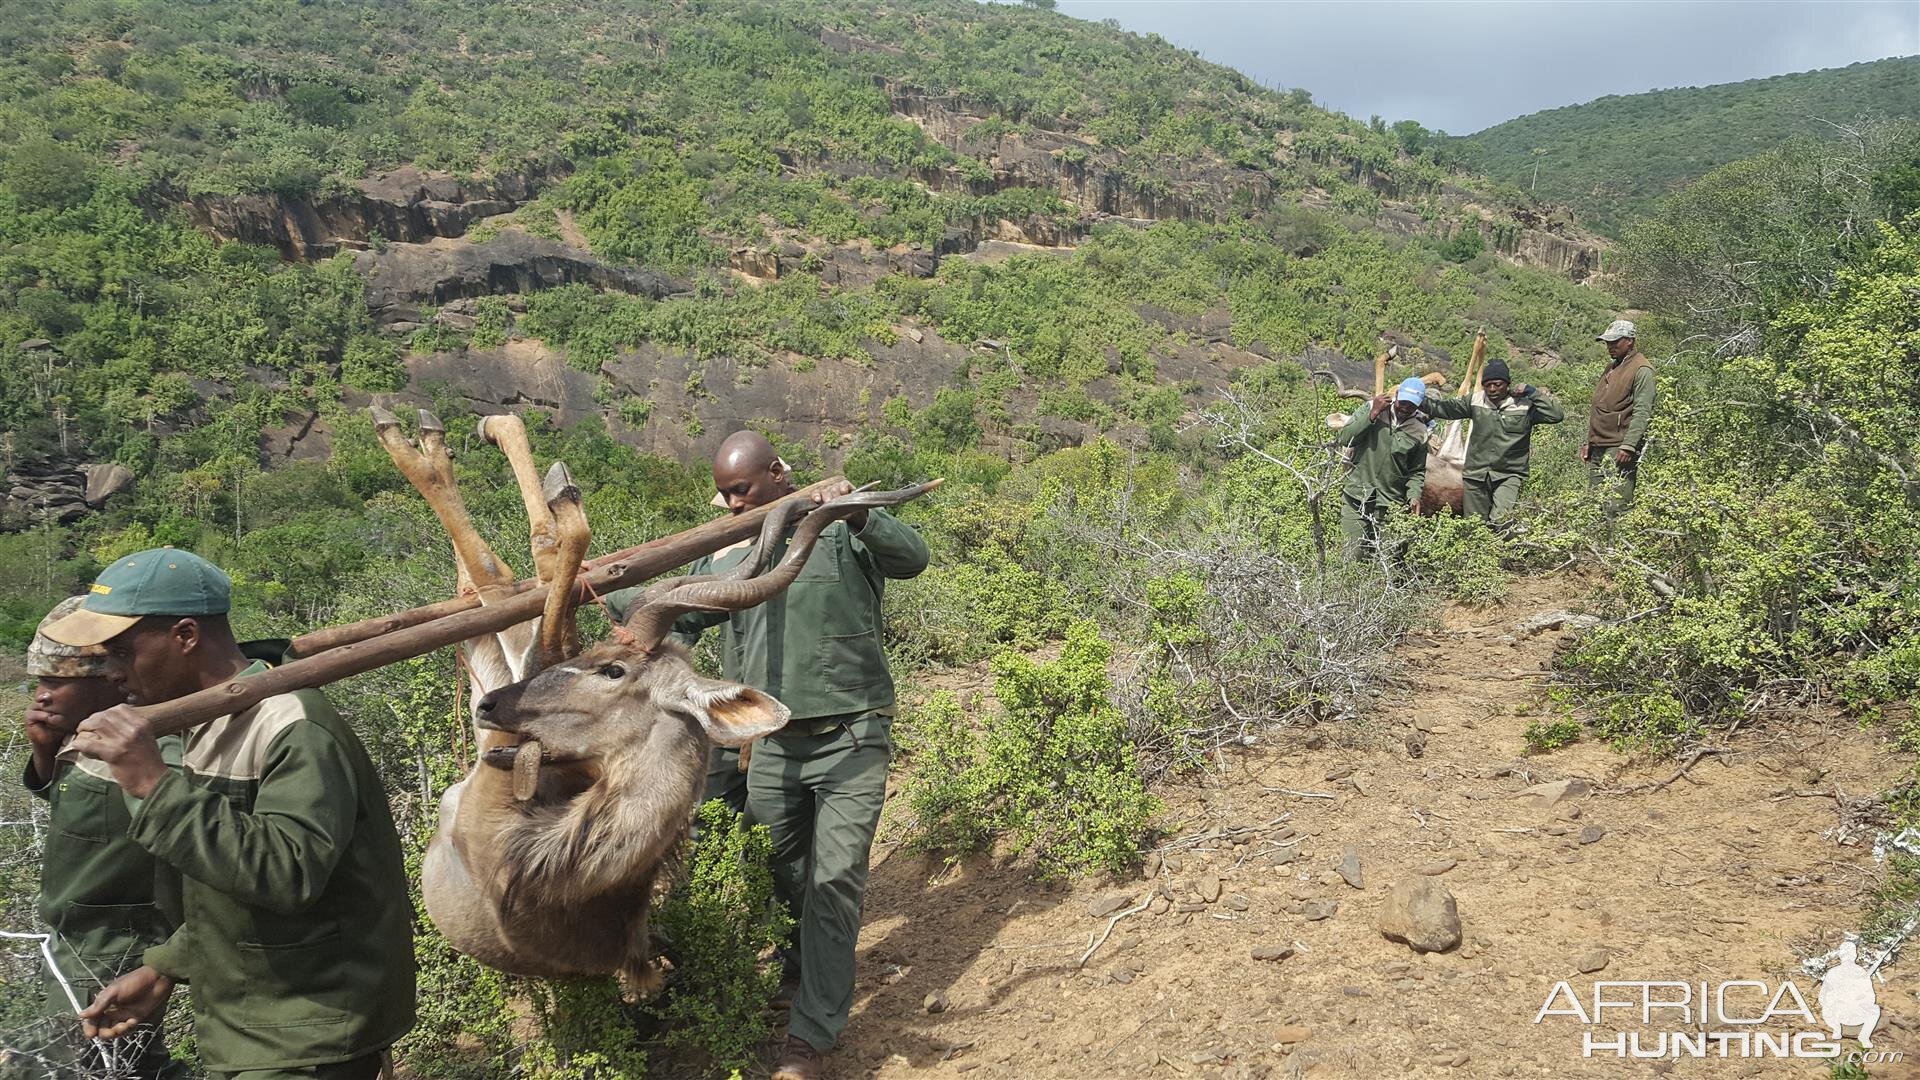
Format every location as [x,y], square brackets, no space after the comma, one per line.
[297,931]
[1389,444]
[1500,449]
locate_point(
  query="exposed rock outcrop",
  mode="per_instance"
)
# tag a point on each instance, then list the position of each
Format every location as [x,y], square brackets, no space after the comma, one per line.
[513,377]
[848,267]
[855,265]
[105,481]
[38,492]
[406,205]
[403,278]
[1095,178]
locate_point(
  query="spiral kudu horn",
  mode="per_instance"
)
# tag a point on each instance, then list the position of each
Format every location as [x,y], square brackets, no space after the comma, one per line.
[653,619]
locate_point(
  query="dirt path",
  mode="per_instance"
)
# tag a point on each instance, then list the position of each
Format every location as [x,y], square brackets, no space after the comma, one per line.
[1727,875]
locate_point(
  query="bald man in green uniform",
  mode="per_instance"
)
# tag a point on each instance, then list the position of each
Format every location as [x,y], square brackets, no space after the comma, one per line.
[817,784]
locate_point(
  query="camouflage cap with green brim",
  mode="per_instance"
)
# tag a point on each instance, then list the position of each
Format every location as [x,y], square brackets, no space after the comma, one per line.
[159,581]
[49,659]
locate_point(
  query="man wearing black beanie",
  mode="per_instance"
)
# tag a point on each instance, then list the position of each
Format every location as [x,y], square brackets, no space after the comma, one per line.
[1498,451]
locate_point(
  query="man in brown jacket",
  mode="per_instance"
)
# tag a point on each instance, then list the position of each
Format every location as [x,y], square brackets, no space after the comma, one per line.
[1622,408]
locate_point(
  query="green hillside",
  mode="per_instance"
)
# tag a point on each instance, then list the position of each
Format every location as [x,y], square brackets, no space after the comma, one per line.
[1092,281]
[1614,158]
[657,153]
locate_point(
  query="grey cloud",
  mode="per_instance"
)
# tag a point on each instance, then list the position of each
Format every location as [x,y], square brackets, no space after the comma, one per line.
[1462,66]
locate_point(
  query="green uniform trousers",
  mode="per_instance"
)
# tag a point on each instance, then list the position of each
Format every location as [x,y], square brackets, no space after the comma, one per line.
[1604,470]
[725,781]
[360,1068]
[820,797]
[1491,497]
[1359,522]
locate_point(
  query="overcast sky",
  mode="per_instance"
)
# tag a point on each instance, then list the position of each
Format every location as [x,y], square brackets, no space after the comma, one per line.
[1462,66]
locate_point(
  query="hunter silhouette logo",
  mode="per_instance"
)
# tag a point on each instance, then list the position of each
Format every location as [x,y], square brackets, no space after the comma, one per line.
[1847,999]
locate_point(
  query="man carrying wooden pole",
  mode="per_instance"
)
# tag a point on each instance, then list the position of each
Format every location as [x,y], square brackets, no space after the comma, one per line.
[297,927]
[1499,451]
[818,784]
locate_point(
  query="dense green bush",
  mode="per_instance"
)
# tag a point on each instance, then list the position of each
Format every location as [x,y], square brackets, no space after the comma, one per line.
[1053,769]
[1770,561]
[718,923]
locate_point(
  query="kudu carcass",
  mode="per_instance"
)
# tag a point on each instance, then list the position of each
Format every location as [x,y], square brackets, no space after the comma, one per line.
[547,852]
[1444,488]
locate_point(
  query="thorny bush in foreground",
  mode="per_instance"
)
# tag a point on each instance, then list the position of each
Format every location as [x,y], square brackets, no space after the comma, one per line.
[1241,641]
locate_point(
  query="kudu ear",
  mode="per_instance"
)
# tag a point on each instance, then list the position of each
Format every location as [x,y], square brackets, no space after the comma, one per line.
[732,714]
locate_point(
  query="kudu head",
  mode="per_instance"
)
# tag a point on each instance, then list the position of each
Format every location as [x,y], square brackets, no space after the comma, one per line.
[638,692]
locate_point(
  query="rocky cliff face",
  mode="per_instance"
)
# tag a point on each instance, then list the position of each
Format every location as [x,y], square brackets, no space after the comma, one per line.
[692,404]
[56,492]
[403,206]
[403,278]
[1097,179]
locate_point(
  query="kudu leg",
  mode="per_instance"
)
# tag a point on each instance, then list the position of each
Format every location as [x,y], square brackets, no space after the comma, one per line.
[510,435]
[430,470]
[559,632]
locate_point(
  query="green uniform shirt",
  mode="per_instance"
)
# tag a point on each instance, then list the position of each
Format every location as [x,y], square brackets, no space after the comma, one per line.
[1502,436]
[816,646]
[1389,458]
[104,898]
[297,931]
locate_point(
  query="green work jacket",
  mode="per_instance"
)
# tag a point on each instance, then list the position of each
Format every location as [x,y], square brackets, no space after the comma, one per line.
[816,647]
[1389,459]
[1502,438]
[297,929]
[104,898]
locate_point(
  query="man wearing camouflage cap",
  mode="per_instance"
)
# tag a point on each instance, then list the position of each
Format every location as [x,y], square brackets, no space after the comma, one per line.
[103,898]
[297,927]
[1622,409]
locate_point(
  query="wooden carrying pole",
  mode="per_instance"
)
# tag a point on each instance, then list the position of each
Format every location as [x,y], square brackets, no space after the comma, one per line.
[646,561]
[332,637]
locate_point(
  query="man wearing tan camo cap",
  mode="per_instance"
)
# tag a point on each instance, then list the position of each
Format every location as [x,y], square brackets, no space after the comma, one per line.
[101,894]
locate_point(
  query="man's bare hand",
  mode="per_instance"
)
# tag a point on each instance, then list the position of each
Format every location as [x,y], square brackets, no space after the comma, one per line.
[126,1003]
[120,737]
[44,735]
[1625,456]
[857,522]
[1586,451]
[42,730]
[1380,403]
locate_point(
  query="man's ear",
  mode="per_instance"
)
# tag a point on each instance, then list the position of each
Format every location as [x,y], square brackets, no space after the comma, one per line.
[187,635]
[732,714]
